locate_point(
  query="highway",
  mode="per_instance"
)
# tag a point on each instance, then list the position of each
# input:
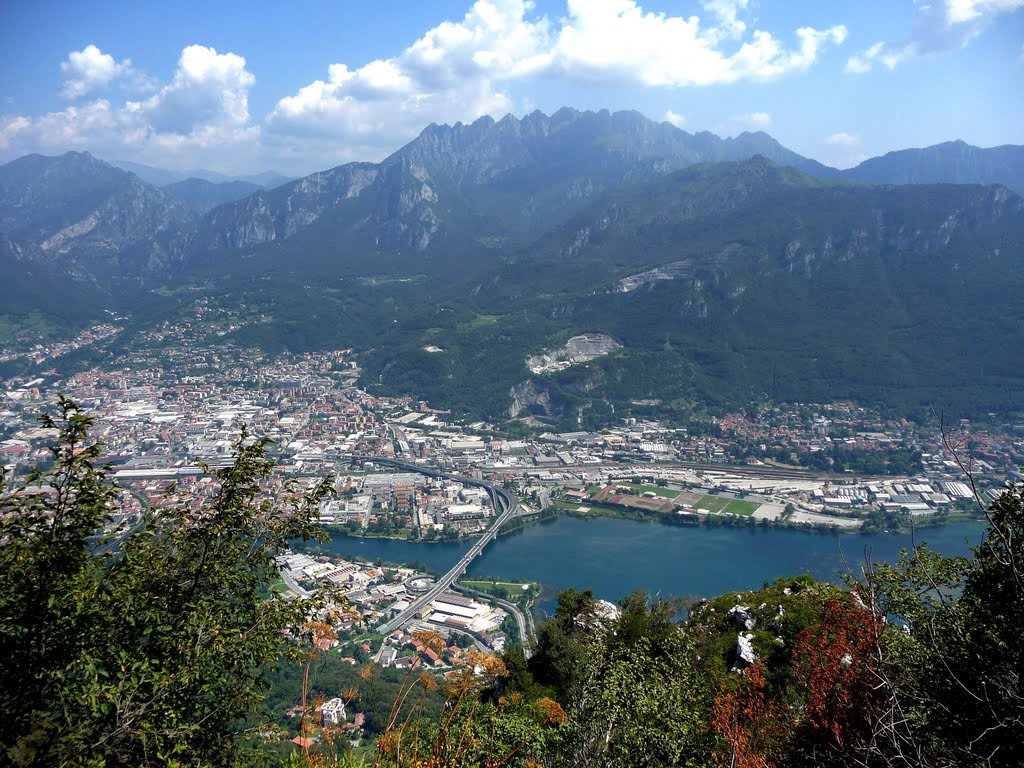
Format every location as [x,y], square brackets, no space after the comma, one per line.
[287,578]
[524,622]
[506,507]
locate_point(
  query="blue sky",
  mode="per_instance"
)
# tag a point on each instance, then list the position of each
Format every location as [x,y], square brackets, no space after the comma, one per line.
[241,87]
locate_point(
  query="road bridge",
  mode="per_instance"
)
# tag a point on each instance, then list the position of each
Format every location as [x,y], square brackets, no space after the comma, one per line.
[505,506]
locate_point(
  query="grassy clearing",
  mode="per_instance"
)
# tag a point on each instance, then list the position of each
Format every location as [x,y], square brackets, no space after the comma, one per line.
[33,326]
[480,321]
[484,585]
[569,506]
[739,507]
[712,503]
[505,590]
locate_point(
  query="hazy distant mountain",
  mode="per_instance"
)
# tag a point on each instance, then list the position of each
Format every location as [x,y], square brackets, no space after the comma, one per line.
[954,162]
[88,218]
[265,179]
[161,177]
[202,195]
[156,176]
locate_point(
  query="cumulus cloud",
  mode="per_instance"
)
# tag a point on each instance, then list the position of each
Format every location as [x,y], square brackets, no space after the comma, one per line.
[208,94]
[619,38]
[204,106]
[939,26]
[843,139]
[459,70]
[727,15]
[89,70]
[671,117]
[10,128]
[755,120]
[447,75]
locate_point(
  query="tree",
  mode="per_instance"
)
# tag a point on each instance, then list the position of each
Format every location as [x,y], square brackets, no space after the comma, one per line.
[955,674]
[147,649]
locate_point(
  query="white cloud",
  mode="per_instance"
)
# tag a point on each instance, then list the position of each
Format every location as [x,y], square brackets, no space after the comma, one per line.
[204,107]
[963,11]
[939,26]
[617,38]
[10,127]
[843,139]
[457,70]
[671,117]
[446,75]
[755,120]
[89,70]
[726,13]
[208,95]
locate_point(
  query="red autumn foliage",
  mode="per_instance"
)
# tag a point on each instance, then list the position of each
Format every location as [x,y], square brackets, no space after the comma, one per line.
[835,661]
[755,727]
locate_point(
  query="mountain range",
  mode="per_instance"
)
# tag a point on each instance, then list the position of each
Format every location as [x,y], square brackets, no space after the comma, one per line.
[729,269]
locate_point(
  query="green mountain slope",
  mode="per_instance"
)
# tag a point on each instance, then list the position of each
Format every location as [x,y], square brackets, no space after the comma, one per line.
[743,281]
[94,222]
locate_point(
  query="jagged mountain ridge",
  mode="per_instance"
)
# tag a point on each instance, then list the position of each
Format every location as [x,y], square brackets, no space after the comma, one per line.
[538,170]
[506,180]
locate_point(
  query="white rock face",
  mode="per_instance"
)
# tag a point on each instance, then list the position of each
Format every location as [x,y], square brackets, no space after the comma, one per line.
[578,349]
[742,617]
[745,655]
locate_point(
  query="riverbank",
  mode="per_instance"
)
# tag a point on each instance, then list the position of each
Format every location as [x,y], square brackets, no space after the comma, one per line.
[592,508]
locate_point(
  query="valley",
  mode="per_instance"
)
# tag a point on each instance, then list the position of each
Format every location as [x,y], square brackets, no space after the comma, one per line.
[721,272]
[527,383]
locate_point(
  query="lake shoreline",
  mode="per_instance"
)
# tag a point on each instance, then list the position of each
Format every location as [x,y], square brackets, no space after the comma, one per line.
[617,556]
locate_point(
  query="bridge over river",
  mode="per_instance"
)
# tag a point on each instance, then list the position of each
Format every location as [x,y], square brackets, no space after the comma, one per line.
[505,506]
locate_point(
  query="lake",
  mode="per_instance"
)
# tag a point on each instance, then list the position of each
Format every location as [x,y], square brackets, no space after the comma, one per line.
[614,557]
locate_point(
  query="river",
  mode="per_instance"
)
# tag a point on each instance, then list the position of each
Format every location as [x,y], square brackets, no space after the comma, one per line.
[614,557]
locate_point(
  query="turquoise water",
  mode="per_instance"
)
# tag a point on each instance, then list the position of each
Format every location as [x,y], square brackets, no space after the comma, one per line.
[615,557]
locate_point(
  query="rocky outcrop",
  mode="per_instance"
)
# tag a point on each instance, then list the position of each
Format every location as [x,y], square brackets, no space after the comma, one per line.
[745,655]
[578,349]
[532,399]
[742,617]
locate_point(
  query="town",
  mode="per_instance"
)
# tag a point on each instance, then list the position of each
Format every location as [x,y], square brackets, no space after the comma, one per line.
[170,404]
